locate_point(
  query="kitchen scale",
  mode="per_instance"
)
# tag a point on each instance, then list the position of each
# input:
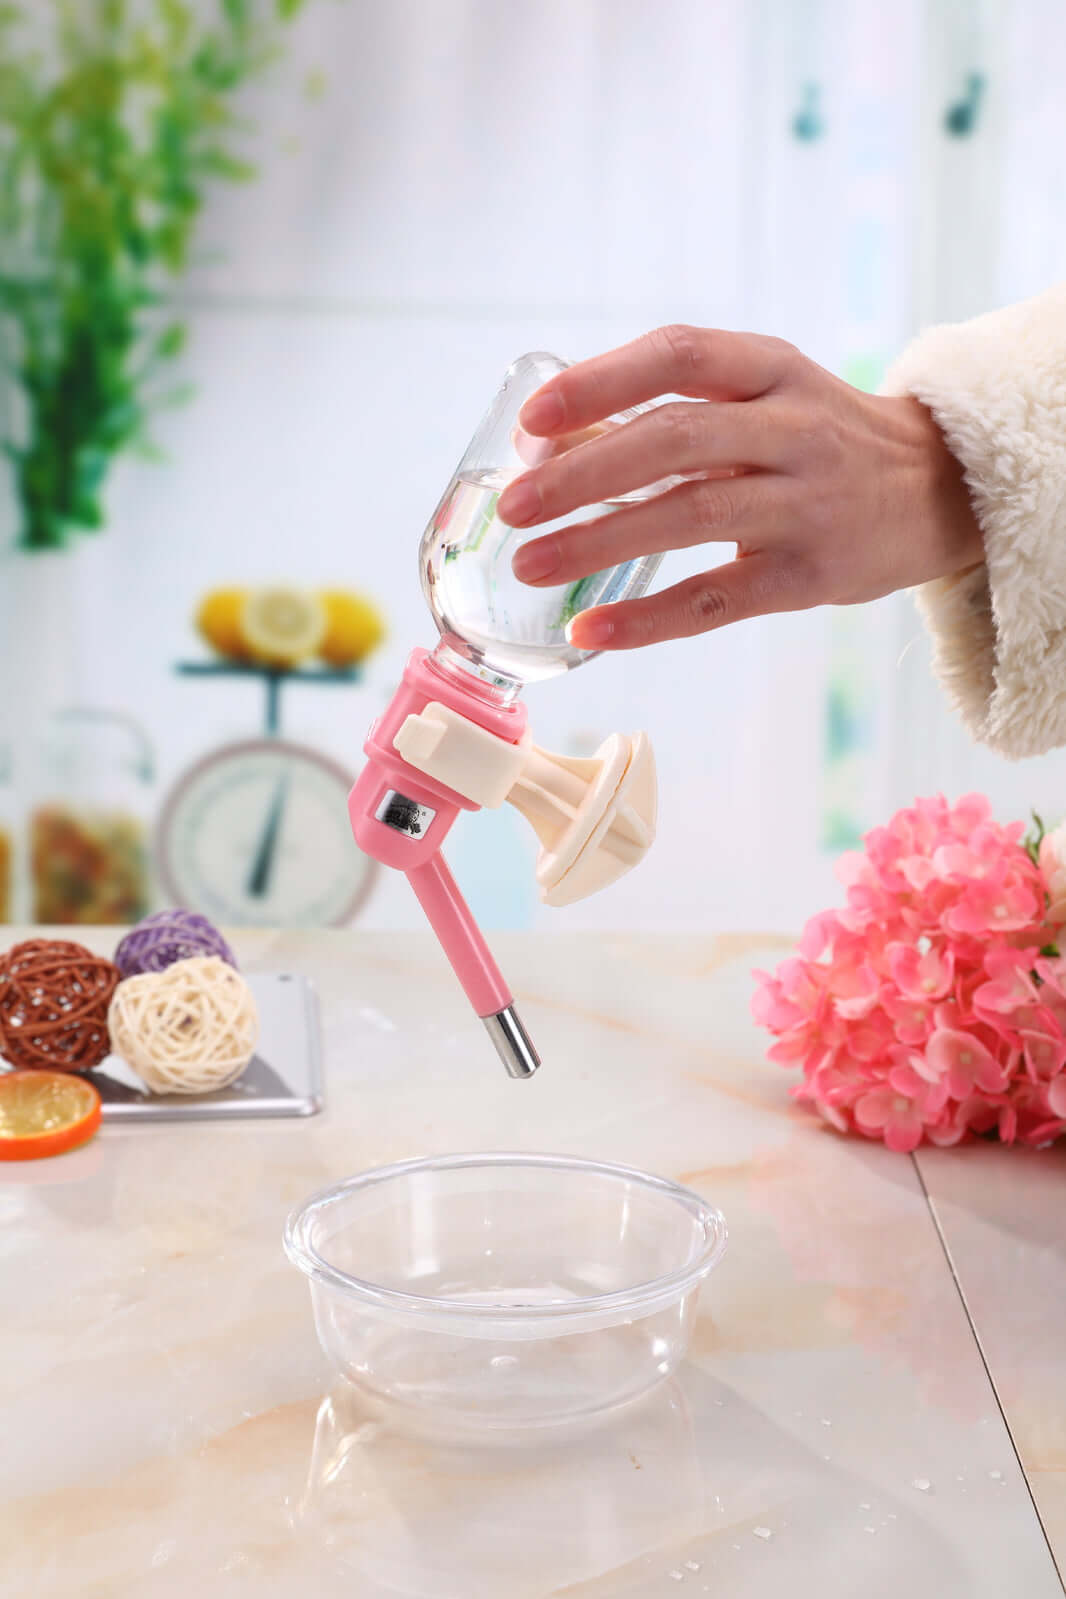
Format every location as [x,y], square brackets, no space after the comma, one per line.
[256,833]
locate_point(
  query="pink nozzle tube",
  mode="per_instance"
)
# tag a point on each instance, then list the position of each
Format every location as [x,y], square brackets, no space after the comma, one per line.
[452,921]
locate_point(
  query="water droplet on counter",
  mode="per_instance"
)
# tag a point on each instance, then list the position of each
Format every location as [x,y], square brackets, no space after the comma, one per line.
[996,1476]
[869,1529]
[922,1484]
[678,1576]
[762,1532]
[692,1565]
[163,1552]
[502,1362]
[826,1422]
[864,1506]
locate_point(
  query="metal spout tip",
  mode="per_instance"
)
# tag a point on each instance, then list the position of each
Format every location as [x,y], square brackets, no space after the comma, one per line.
[513,1044]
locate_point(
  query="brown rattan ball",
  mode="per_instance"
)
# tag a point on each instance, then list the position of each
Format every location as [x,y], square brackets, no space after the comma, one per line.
[53,1005]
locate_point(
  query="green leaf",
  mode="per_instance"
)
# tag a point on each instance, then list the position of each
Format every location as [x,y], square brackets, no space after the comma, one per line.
[145,450]
[1034,838]
[220,164]
[177,394]
[171,341]
[116,117]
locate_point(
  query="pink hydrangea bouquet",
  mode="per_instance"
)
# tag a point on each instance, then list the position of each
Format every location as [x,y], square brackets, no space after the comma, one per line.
[932,1007]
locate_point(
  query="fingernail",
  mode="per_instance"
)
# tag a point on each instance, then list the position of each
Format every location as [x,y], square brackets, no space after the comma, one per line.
[519,503]
[535,561]
[542,413]
[595,632]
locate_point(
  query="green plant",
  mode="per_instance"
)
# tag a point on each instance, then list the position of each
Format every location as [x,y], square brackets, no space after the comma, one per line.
[115,118]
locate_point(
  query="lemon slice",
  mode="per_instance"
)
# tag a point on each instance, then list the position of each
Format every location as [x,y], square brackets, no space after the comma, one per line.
[282,626]
[354,627]
[45,1113]
[219,622]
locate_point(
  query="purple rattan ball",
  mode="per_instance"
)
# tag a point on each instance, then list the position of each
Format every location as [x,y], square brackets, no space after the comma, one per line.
[166,937]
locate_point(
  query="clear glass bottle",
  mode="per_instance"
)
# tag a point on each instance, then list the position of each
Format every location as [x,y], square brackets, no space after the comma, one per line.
[502,631]
[89,820]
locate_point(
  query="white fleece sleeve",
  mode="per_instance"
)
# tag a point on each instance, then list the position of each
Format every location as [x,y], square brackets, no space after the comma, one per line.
[997,387]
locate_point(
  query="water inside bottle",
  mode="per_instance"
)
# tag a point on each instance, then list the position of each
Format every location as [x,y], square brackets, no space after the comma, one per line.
[512,629]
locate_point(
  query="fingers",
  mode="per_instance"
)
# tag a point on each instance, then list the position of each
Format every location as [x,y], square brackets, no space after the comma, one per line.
[756,585]
[532,450]
[673,439]
[701,363]
[737,509]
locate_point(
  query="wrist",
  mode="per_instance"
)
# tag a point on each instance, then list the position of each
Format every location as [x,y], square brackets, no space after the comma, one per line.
[956,543]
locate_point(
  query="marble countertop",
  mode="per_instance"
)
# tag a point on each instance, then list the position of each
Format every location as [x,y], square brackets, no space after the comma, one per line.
[875,1401]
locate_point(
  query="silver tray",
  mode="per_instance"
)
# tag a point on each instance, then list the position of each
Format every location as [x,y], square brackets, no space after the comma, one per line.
[284,1077]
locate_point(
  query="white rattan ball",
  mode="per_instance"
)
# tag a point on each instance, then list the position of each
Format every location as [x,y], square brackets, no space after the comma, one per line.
[188,1029]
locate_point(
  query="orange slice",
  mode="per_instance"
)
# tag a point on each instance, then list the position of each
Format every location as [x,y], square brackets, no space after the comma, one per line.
[45,1113]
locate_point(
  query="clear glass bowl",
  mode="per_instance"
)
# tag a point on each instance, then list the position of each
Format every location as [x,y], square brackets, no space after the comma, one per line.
[486,1293]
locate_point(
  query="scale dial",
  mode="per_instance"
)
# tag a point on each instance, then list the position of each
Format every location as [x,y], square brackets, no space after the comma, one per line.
[257,835]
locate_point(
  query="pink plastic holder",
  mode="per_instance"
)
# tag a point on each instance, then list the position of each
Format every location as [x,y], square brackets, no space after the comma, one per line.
[387,770]
[401,817]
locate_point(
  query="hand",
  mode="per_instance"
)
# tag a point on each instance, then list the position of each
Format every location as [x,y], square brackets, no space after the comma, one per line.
[831,496]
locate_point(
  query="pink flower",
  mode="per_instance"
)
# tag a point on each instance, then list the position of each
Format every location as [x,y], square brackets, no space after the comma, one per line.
[897,1116]
[854,989]
[913,1020]
[839,1082]
[1044,1049]
[1035,1113]
[837,1118]
[964,1063]
[871,1038]
[1053,866]
[788,999]
[921,975]
[792,1048]
[923,1009]
[994,906]
[818,936]
[1010,984]
[1052,973]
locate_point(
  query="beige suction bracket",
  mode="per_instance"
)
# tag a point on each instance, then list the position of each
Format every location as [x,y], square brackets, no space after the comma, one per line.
[594,817]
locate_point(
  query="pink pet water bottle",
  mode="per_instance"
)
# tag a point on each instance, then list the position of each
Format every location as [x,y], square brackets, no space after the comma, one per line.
[455,736]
